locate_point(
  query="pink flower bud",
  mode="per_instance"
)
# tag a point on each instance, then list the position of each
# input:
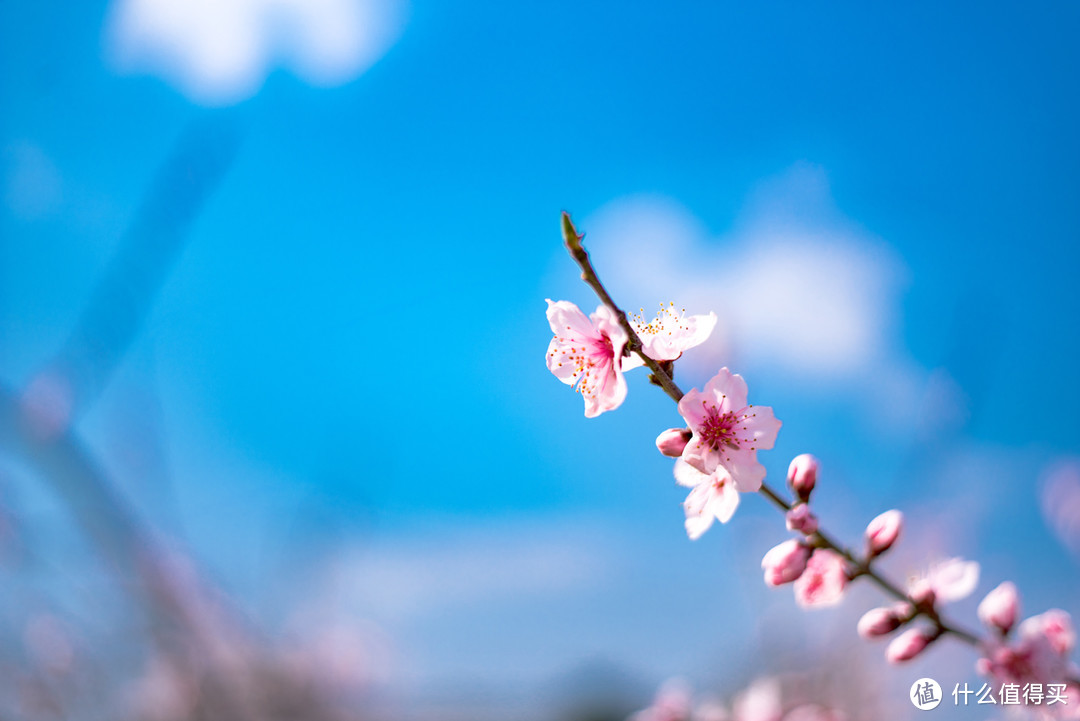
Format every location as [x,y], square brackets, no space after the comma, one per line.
[881,621]
[1001,607]
[785,563]
[802,475]
[672,441]
[802,520]
[883,531]
[908,645]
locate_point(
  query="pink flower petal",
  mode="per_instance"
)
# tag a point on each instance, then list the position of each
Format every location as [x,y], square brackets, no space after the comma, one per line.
[746,472]
[724,503]
[728,390]
[725,433]
[587,353]
[687,475]
[672,333]
[763,426]
[823,582]
[954,579]
[697,525]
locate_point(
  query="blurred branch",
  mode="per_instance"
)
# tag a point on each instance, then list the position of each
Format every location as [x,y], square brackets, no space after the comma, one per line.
[147,252]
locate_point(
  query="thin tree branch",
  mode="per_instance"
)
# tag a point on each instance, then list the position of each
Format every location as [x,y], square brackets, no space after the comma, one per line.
[588,274]
[861,566]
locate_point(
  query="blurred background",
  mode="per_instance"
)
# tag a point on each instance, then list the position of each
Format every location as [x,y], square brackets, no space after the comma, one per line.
[276,435]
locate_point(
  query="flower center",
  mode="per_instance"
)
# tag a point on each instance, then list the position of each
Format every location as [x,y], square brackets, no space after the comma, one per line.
[719,429]
[666,322]
[590,358]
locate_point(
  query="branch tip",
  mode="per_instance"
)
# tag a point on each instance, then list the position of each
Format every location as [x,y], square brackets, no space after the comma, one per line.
[570,235]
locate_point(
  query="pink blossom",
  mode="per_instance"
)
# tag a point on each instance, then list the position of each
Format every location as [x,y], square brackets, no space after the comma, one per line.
[587,353]
[785,563]
[673,441]
[671,333]
[1039,655]
[713,497]
[801,519]
[760,702]
[727,431]
[823,582]
[908,645]
[811,712]
[672,703]
[881,621]
[710,710]
[802,475]
[1056,626]
[1000,607]
[882,532]
[947,581]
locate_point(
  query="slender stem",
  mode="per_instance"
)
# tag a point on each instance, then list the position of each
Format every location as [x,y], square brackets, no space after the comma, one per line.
[633,343]
[660,376]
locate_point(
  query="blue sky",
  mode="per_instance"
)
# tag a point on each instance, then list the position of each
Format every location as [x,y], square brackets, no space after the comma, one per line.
[347,356]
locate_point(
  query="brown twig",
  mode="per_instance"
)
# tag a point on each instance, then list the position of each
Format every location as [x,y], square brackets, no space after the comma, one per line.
[588,274]
[660,376]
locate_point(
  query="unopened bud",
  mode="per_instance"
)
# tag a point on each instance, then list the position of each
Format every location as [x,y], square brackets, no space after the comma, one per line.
[672,441]
[1001,607]
[802,520]
[802,475]
[908,645]
[882,532]
[881,621]
[785,563]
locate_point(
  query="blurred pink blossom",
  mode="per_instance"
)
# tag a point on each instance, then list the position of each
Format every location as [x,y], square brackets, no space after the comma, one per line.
[587,353]
[802,475]
[785,563]
[944,582]
[760,702]
[908,645]
[881,621]
[1001,607]
[1061,503]
[812,712]
[763,700]
[882,532]
[801,519]
[728,432]
[1040,653]
[823,582]
[672,703]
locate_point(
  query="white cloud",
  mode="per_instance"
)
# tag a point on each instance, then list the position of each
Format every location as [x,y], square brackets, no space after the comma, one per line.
[802,288]
[801,291]
[403,580]
[220,51]
[798,287]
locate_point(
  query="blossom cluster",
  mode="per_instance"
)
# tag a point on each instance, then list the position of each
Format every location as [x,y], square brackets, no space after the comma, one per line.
[589,353]
[716,458]
[717,449]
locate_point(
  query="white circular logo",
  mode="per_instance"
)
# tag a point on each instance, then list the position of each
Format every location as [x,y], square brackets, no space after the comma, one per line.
[925,694]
